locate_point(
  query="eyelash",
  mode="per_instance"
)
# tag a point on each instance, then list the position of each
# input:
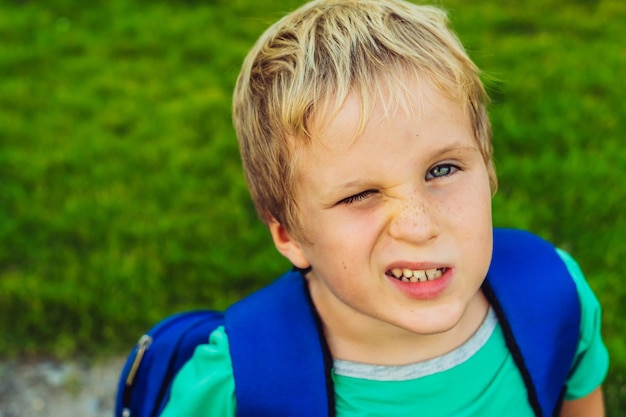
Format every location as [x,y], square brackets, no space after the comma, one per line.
[357,197]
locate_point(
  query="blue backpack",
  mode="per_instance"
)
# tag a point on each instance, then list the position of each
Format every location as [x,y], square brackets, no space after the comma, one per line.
[527,282]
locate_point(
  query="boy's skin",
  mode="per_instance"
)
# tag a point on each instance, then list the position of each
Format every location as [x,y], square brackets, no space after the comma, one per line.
[408,191]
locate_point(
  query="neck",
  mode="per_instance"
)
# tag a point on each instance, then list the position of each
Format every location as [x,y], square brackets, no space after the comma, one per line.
[366,340]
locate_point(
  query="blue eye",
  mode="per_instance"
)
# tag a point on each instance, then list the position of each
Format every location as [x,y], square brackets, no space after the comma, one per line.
[442,170]
[357,197]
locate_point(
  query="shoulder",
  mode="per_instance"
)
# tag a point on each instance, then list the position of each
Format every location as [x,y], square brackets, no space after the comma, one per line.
[205,385]
[589,305]
[587,298]
[592,360]
[554,287]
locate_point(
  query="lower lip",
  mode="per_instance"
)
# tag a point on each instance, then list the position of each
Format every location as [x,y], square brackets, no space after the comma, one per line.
[427,290]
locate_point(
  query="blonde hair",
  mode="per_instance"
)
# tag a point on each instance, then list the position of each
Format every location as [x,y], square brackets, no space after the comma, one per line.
[305,65]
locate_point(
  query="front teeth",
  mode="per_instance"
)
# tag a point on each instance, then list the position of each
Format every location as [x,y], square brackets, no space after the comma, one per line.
[409,275]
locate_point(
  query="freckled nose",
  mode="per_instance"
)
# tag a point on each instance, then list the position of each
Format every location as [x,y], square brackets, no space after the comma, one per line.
[414,221]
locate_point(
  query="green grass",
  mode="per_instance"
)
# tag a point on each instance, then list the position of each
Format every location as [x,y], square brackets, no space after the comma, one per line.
[121,193]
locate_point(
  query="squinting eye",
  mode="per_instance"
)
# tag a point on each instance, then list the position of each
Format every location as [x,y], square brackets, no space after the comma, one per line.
[356,197]
[440,171]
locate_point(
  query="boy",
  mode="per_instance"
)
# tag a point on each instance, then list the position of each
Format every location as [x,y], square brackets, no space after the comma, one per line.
[367,149]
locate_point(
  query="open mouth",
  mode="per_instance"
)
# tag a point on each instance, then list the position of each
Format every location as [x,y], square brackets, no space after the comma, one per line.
[420,275]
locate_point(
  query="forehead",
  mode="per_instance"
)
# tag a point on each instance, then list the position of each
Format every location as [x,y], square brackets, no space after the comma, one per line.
[409,103]
[358,138]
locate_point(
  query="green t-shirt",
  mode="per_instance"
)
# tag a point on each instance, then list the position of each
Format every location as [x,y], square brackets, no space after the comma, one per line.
[477,379]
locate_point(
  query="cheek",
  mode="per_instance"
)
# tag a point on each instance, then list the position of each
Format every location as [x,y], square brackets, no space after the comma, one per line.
[471,203]
[469,209]
[350,224]
[349,236]
[473,224]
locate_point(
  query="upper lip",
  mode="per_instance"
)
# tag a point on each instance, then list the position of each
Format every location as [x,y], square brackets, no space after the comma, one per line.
[416,266]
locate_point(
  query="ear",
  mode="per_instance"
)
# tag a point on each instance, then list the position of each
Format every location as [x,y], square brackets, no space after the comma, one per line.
[286,245]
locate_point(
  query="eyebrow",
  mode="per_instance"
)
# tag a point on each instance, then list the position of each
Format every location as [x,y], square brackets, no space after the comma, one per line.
[456,147]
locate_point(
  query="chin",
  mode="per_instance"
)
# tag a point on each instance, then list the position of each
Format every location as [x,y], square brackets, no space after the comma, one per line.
[439,320]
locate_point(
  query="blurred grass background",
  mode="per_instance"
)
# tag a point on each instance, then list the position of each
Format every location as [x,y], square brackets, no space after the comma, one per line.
[121,193]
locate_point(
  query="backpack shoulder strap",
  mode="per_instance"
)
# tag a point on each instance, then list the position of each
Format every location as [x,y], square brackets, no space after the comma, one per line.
[146,379]
[537,304]
[281,362]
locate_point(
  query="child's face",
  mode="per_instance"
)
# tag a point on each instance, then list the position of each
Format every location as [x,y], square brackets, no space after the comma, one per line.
[409,196]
